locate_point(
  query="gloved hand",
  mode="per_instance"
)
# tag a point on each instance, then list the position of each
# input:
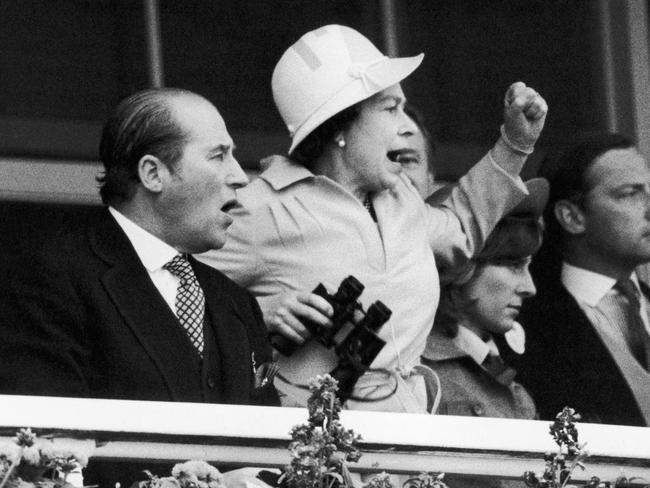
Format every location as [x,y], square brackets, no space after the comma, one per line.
[523,117]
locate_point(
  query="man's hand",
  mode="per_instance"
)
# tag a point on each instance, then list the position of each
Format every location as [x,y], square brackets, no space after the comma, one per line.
[294,308]
[524,115]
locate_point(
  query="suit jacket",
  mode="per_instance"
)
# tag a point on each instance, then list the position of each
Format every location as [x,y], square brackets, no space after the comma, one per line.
[566,363]
[83,318]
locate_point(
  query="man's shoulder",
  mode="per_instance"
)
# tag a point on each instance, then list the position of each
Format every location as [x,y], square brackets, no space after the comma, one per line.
[68,241]
[76,240]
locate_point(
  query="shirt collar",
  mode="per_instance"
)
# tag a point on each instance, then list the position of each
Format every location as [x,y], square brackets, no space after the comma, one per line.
[281,172]
[588,286]
[153,252]
[441,347]
[474,346]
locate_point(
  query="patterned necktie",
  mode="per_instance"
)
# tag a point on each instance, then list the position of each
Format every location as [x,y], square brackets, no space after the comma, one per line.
[190,301]
[633,328]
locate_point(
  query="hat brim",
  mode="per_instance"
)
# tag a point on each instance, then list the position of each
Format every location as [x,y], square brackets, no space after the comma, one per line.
[382,75]
[534,203]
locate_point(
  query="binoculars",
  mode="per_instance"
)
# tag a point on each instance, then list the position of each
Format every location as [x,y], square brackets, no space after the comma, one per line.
[355,342]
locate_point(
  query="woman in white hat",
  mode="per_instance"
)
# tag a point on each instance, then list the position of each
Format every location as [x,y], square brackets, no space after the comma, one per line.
[476,319]
[340,206]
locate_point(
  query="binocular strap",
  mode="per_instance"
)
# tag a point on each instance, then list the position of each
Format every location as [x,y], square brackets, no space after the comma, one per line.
[389,375]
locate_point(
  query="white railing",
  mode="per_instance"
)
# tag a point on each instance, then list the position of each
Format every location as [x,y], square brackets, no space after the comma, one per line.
[258,436]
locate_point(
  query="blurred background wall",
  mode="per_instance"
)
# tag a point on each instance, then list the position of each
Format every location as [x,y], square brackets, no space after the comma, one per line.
[64,64]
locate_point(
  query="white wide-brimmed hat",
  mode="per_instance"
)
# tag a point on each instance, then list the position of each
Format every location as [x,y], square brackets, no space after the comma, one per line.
[330,69]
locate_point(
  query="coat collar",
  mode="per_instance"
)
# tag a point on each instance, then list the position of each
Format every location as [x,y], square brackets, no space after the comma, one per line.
[281,172]
[441,347]
[152,251]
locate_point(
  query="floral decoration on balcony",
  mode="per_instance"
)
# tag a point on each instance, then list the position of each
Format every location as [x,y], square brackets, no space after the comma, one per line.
[190,474]
[29,462]
[570,455]
[321,448]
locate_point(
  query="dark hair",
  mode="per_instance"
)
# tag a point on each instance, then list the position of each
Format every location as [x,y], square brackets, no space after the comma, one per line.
[429,146]
[141,124]
[513,238]
[312,146]
[567,174]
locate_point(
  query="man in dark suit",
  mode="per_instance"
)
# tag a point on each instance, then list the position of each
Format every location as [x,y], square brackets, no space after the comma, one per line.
[117,307]
[587,342]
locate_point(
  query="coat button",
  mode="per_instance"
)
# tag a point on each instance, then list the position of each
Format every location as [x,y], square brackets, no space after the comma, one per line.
[478,410]
[211,382]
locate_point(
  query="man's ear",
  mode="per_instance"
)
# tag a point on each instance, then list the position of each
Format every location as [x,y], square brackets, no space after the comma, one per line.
[570,217]
[152,171]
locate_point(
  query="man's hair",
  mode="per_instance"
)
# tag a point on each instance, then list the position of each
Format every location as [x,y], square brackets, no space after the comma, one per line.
[142,124]
[567,174]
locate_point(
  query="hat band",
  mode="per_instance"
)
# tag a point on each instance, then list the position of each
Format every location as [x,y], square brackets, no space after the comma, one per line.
[357,71]
[360,71]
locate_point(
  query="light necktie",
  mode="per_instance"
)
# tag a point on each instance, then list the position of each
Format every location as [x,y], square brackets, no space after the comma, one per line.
[633,328]
[190,300]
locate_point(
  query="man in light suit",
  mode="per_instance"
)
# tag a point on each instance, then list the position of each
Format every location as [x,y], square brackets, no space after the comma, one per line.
[587,342]
[102,311]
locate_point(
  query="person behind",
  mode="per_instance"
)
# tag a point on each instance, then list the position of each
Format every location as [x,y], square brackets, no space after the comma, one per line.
[341,206]
[117,307]
[588,326]
[477,316]
[417,160]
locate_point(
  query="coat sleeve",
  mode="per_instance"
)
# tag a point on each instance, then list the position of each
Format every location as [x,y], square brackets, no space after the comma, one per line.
[461,216]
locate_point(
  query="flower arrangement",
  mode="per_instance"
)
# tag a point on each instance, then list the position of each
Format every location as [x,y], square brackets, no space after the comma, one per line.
[29,462]
[190,474]
[570,455]
[321,448]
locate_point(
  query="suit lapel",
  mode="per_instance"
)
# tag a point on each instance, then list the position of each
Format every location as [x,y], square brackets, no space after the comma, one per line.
[145,312]
[230,332]
[604,355]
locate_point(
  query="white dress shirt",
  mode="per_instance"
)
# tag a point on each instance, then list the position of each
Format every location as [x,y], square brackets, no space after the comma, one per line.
[154,254]
[589,288]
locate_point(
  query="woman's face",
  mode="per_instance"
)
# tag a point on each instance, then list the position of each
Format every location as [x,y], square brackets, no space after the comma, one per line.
[495,294]
[376,138]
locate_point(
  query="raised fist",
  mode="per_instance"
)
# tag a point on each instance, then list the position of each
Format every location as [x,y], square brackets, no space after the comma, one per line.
[523,117]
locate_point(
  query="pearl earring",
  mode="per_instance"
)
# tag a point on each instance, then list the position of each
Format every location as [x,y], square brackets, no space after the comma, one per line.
[341,142]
